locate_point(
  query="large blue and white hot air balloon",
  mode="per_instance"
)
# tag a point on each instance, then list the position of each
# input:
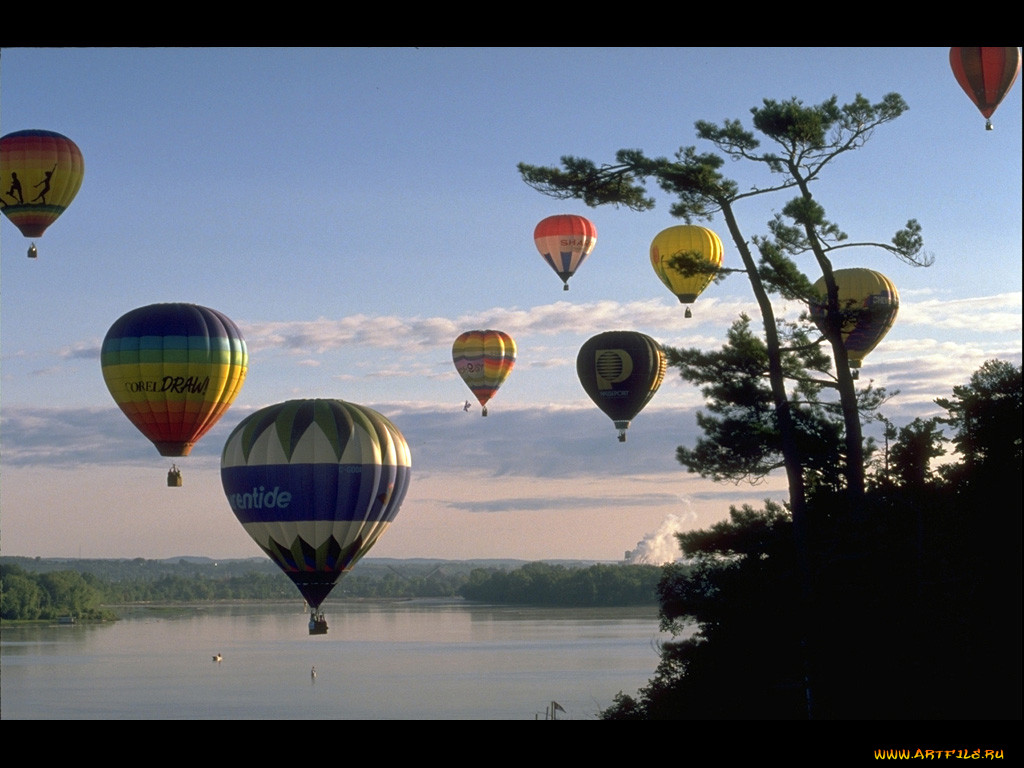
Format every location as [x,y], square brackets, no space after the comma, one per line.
[315,483]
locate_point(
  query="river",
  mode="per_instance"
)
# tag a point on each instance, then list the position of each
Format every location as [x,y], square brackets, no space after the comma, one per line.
[397,660]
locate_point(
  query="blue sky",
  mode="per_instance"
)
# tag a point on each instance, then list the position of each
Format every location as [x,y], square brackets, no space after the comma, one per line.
[354,210]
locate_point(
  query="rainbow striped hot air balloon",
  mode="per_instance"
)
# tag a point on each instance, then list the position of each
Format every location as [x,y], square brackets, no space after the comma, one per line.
[40,174]
[315,483]
[174,369]
[484,359]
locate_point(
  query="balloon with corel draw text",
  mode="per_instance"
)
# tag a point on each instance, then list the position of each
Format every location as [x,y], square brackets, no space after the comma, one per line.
[174,369]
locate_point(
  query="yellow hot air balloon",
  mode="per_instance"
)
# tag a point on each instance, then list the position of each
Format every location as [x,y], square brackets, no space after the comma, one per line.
[688,240]
[40,173]
[868,301]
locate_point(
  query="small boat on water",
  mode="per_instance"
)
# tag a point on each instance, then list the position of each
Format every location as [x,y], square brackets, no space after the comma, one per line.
[218,658]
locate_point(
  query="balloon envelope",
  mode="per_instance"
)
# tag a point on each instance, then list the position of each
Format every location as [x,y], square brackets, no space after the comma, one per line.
[985,74]
[484,359]
[565,241]
[174,369]
[315,483]
[688,239]
[868,303]
[40,174]
[621,371]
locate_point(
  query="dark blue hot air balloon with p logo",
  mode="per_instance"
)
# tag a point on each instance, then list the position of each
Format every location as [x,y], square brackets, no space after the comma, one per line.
[621,371]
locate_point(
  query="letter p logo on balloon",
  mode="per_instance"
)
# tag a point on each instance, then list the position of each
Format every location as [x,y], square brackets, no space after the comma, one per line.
[612,366]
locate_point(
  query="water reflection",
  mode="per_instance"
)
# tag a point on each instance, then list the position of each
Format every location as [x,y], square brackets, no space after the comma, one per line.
[416,659]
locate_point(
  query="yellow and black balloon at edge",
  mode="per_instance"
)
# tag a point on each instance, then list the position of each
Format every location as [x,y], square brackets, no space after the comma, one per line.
[40,174]
[868,305]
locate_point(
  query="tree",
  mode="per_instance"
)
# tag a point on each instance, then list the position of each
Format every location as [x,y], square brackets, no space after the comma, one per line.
[738,652]
[986,417]
[20,595]
[806,140]
[742,439]
[908,462]
[985,488]
[916,611]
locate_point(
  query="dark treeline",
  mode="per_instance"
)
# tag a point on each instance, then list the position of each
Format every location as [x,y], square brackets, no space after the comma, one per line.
[29,593]
[908,607]
[545,584]
[26,595]
[41,596]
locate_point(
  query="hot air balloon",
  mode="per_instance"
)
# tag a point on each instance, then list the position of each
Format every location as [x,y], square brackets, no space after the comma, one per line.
[40,174]
[621,371]
[315,483]
[986,75]
[174,369]
[686,239]
[565,241]
[484,359]
[868,301]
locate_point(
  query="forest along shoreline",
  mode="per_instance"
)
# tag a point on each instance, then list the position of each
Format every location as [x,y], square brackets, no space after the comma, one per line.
[44,590]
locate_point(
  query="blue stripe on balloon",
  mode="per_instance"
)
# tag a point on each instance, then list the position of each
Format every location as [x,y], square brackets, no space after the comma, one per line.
[306,492]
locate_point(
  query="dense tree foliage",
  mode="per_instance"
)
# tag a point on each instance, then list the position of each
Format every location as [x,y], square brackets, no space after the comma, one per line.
[986,416]
[45,594]
[50,595]
[915,611]
[546,584]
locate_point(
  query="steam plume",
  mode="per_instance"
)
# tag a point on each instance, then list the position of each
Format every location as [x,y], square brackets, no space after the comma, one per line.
[661,546]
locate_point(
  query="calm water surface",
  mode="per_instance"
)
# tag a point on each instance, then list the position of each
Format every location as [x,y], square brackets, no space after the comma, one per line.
[417,659]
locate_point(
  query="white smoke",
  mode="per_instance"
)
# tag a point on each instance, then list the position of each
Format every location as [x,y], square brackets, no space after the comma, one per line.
[662,546]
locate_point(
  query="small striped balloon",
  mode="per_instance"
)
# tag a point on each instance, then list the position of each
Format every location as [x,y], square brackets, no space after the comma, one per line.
[484,359]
